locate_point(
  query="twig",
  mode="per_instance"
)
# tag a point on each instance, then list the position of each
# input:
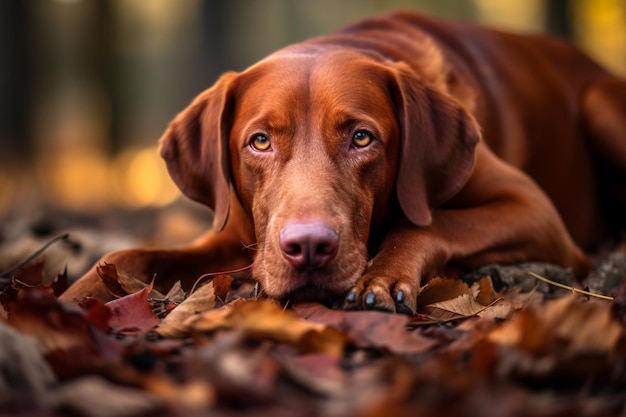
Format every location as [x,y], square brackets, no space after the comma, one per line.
[7,274]
[567,287]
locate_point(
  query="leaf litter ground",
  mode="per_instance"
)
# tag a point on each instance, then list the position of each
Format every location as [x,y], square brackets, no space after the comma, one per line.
[497,343]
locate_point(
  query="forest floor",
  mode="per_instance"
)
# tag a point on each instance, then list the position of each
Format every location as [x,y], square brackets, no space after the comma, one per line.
[502,342]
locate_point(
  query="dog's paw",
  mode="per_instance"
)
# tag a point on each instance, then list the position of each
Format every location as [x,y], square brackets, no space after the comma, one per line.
[396,295]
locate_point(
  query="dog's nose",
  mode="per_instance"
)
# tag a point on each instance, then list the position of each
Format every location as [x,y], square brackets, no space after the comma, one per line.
[308,245]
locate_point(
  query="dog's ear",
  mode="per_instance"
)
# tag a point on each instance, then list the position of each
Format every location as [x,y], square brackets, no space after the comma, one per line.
[195,149]
[438,139]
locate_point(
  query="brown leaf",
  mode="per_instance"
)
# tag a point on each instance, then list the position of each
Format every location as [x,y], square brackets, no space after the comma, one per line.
[588,326]
[524,331]
[203,299]
[265,320]
[462,306]
[369,329]
[195,394]
[441,289]
[120,284]
[579,326]
[109,277]
[484,292]
[500,310]
[222,284]
[320,373]
[176,294]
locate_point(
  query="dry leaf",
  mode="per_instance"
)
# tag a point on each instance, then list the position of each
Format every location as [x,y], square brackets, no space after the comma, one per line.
[203,299]
[369,329]
[265,320]
[579,326]
[120,284]
[484,292]
[524,331]
[31,275]
[588,326]
[501,310]
[462,306]
[132,314]
[441,289]
[195,394]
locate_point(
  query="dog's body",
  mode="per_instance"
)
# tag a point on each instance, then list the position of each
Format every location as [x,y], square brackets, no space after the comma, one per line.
[364,162]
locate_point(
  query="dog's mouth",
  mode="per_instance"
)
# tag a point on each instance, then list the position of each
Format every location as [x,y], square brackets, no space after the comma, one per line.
[312,293]
[317,280]
[310,286]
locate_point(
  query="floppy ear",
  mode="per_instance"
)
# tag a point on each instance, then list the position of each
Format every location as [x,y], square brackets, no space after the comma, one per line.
[195,149]
[437,147]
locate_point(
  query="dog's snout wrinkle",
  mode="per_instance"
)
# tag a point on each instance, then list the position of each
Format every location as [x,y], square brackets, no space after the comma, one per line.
[309,245]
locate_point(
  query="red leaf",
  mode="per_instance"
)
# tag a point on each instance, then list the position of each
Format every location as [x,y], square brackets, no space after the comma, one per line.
[132,313]
[60,285]
[98,313]
[67,338]
[30,275]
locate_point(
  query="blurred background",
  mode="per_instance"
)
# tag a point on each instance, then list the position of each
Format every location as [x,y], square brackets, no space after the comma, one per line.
[88,86]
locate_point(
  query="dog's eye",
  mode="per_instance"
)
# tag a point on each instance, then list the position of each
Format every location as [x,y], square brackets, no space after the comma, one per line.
[260,142]
[361,139]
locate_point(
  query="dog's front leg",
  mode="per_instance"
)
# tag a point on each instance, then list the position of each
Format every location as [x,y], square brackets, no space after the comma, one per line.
[213,252]
[501,216]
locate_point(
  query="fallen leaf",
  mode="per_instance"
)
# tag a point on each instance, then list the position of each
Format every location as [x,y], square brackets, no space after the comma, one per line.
[442,289]
[501,310]
[569,322]
[39,313]
[60,284]
[31,275]
[265,320]
[98,313]
[319,373]
[203,299]
[462,306]
[195,394]
[132,314]
[369,329]
[484,292]
[176,294]
[524,331]
[588,326]
[221,284]
[69,341]
[120,284]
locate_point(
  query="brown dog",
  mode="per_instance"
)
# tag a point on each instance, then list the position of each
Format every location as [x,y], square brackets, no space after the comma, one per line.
[361,163]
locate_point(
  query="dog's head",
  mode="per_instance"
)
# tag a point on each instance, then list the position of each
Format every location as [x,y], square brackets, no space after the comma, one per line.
[320,147]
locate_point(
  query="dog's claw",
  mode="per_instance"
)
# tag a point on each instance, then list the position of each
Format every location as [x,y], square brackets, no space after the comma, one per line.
[351,298]
[401,305]
[370,300]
